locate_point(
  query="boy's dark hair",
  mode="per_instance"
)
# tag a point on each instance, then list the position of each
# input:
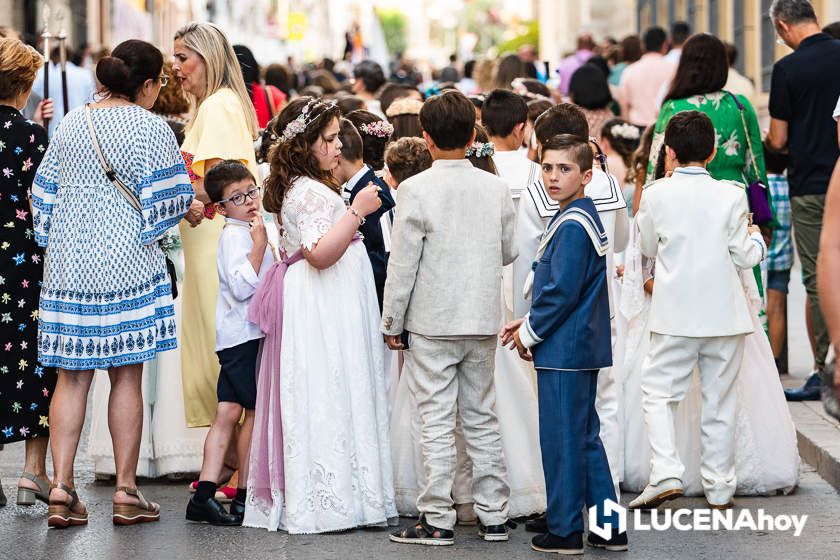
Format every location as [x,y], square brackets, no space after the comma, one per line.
[223,174]
[654,38]
[832,29]
[502,111]
[564,118]
[449,118]
[371,74]
[680,31]
[407,157]
[776,161]
[373,147]
[468,68]
[391,92]
[349,103]
[351,141]
[579,150]
[537,107]
[589,88]
[691,135]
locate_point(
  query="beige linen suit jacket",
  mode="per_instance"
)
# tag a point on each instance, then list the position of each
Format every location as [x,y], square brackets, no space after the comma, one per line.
[453,231]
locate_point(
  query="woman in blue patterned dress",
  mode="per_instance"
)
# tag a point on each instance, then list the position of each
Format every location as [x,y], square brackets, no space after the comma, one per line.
[106,301]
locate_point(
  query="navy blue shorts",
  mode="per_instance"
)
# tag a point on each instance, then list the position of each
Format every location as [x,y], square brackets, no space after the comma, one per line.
[778,280]
[238,375]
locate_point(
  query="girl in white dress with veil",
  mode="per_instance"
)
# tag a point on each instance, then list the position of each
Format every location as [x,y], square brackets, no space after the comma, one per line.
[766,457]
[319,459]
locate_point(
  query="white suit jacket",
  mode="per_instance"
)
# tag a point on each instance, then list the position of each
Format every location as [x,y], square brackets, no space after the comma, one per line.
[696,228]
[535,211]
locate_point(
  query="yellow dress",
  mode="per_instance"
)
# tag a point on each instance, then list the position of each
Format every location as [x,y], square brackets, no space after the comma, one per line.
[219,130]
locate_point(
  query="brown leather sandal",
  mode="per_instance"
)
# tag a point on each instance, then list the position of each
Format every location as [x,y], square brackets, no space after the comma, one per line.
[131,514]
[61,514]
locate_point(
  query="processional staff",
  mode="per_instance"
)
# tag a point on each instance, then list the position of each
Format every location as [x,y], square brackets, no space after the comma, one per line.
[62,48]
[46,36]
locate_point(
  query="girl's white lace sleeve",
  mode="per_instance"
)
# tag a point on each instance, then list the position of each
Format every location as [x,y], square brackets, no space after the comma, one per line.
[314,217]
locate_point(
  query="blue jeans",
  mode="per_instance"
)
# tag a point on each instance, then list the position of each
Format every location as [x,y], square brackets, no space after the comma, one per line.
[574,462]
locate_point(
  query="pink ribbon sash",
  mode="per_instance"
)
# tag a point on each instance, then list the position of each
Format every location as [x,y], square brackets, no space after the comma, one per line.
[265,471]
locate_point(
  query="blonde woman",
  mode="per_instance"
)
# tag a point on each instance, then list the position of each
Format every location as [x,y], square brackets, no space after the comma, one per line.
[224,127]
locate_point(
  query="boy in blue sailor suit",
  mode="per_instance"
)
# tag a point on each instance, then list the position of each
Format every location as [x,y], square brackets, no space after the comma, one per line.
[567,335]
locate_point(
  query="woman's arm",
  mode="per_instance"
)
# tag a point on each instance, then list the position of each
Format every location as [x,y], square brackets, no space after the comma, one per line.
[828,267]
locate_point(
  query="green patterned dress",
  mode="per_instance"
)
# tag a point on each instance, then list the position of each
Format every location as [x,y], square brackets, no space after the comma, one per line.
[733,160]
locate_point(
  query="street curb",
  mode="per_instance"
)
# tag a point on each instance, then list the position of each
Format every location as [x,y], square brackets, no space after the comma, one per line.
[818,438]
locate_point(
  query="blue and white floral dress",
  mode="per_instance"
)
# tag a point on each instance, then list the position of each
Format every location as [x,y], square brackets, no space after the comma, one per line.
[106,299]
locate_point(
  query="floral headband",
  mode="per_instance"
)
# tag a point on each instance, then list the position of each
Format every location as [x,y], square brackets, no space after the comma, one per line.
[481,149]
[404,106]
[379,129]
[625,131]
[304,119]
[519,87]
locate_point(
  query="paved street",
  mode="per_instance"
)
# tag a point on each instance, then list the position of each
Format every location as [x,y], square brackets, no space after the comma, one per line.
[25,536]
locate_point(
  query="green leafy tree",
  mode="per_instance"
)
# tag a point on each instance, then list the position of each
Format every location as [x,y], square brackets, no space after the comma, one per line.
[394,27]
[530,37]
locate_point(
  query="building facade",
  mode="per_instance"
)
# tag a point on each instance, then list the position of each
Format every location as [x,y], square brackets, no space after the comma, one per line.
[744,23]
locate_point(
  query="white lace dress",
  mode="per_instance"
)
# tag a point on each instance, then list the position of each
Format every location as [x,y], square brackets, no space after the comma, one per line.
[766,456]
[337,459]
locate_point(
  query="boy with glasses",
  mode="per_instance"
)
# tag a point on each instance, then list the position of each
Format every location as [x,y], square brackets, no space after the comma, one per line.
[244,256]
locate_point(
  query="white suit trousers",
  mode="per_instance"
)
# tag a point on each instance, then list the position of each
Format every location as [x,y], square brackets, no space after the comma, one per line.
[666,378]
[606,404]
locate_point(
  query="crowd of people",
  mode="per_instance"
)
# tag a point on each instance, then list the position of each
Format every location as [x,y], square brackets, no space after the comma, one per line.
[232,246]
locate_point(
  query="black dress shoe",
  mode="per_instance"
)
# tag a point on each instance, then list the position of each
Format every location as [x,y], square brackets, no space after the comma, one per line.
[570,544]
[495,533]
[616,543]
[810,391]
[537,525]
[237,508]
[212,512]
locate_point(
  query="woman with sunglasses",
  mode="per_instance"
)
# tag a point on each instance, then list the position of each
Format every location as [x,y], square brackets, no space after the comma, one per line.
[111,183]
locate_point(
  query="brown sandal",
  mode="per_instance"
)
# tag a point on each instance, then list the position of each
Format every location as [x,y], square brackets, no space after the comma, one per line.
[61,514]
[131,514]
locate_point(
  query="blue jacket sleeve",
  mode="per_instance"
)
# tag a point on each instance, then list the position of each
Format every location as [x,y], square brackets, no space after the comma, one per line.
[571,251]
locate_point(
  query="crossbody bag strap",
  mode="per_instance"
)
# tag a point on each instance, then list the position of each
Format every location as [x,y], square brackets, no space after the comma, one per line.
[126,193]
[747,135]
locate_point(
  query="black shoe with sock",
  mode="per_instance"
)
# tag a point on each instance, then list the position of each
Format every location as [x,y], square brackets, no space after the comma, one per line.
[203,507]
[237,506]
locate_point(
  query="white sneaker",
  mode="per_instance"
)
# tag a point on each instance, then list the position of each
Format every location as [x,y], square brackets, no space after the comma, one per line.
[655,494]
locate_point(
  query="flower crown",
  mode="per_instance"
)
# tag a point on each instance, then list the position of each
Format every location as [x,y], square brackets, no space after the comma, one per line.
[304,119]
[379,129]
[519,87]
[625,131]
[404,106]
[481,149]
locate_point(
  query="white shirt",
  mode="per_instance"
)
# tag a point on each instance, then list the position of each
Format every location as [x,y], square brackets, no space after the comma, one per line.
[836,114]
[516,170]
[674,55]
[348,187]
[80,89]
[237,283]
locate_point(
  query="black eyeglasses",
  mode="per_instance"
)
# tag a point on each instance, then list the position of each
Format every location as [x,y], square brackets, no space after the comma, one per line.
[163,79]
[239,198]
